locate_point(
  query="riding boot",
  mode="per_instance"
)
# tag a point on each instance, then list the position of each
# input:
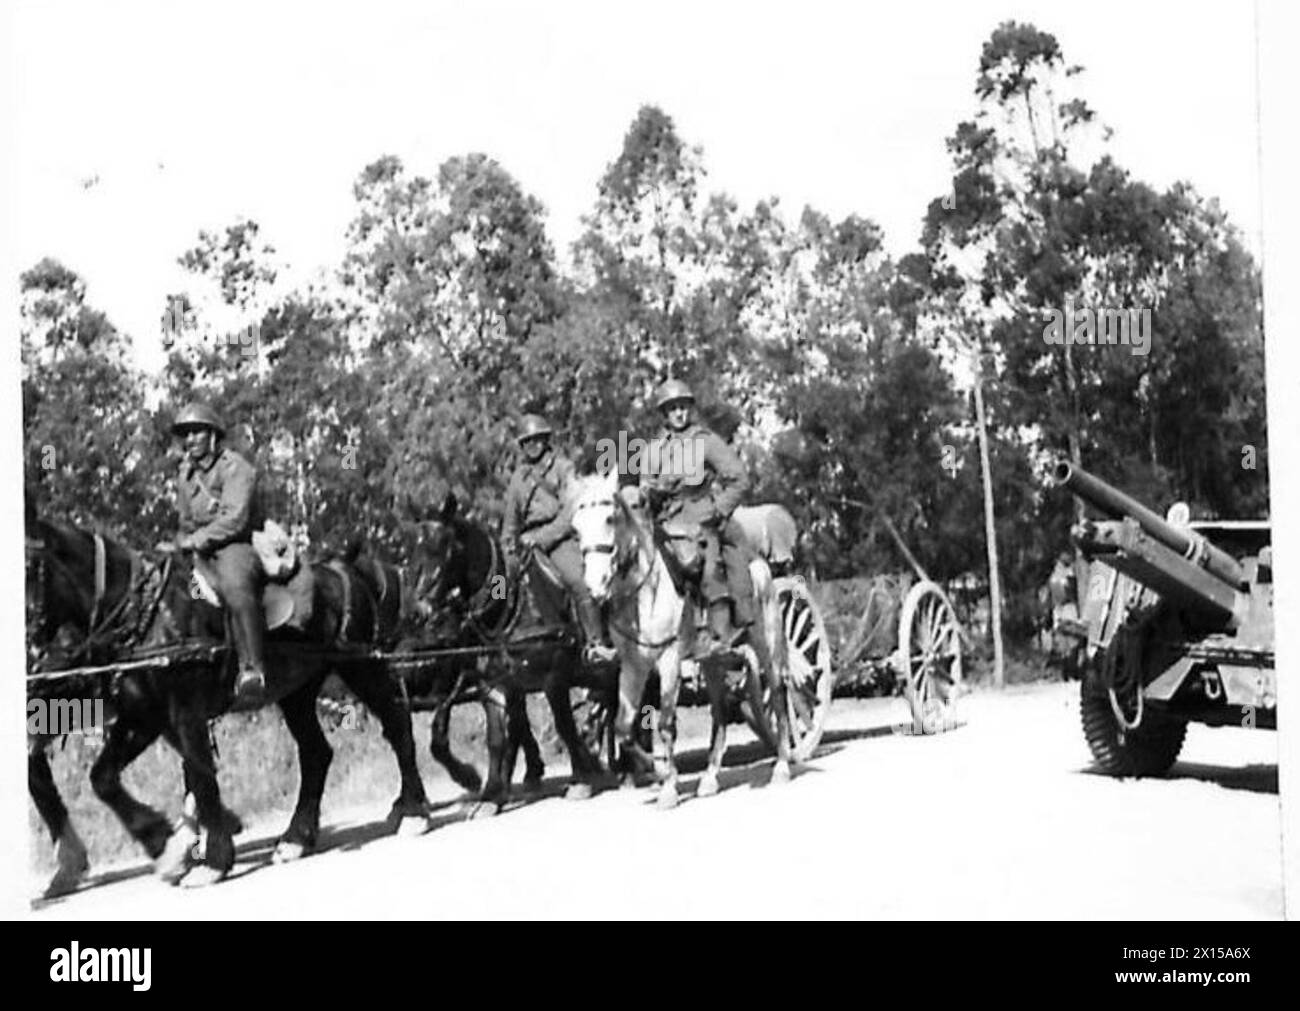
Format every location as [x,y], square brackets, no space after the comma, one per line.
[598,647]
[248,627]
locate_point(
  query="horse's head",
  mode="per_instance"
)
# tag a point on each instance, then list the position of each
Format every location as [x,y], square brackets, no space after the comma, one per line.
[442,549]
[605,518]
[54,600]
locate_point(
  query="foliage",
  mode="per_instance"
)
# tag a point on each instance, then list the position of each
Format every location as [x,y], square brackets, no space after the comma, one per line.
[842,375]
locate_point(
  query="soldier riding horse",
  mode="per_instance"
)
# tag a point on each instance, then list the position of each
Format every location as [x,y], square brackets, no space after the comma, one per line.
[124,608]
[649,552]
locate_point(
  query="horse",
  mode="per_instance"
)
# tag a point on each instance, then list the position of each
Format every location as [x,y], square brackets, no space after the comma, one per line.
[521,610]
[130,610]
[417,616]
[652,622]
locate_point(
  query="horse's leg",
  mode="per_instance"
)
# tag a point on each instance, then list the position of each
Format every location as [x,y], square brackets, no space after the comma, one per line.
[123,743]
[585,768]
[201,775]
[314,757]
[372,685]
[669,666]
[465,776]
[715,683]
[521,734]
[633,759]
[769,673]
[232,822]
[69,851]
[496,790]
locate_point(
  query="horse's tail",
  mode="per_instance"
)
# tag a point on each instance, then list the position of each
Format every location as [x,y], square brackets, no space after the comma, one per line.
[760,573]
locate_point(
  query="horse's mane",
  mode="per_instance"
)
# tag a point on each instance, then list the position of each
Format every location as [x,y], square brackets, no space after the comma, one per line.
[480,547]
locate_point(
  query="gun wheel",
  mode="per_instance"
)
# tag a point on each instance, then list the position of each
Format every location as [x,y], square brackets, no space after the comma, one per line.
[929,642]
[1148,750]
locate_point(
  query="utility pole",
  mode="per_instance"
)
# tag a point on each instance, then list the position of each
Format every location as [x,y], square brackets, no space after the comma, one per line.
[990,529]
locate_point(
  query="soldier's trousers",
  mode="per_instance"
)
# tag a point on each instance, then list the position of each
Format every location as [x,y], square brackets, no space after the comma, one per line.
[239,583]
[567,559]
[726,573]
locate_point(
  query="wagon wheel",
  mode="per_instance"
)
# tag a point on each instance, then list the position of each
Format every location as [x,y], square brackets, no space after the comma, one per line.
[809,680]
[929,654]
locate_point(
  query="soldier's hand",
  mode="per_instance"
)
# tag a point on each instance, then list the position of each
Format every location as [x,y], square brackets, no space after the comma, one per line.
[165,547]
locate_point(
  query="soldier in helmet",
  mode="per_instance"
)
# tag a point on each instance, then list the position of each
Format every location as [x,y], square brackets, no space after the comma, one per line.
[536,516]
[219,510]
[694,481]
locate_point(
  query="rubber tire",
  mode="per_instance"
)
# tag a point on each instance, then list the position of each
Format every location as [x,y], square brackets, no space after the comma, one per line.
[1147,751]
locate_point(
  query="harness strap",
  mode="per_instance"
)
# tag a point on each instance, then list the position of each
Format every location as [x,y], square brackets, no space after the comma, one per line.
[342,571]
[101,582]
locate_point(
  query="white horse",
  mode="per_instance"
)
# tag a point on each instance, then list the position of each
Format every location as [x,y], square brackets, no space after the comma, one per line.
[652,628]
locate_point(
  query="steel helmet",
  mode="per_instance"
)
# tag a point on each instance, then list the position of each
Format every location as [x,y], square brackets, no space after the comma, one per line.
[196,415]
[532,426]
[672,390]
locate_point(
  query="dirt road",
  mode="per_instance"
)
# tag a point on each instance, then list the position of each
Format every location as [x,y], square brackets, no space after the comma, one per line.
[1001,818]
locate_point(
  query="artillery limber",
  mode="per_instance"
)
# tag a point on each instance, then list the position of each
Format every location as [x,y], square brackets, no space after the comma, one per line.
[1178,628]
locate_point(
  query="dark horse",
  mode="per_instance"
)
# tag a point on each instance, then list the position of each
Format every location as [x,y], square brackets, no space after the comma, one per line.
[524,613]
[414,616]
[122,608]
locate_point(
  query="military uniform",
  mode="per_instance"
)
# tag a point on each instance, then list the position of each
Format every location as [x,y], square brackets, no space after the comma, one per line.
[219,509]
[535,509]
[696,481]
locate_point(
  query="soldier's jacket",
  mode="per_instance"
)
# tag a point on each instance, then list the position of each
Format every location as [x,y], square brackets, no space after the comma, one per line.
[695,475]
[535,502]
[218,501]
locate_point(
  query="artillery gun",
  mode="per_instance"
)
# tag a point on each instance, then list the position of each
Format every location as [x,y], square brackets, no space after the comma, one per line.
[1178,628]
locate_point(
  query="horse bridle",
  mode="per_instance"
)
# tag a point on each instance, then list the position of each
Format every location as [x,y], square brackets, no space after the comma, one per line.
[101,626]
[621,566]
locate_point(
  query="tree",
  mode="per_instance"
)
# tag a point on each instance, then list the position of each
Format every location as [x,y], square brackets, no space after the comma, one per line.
[91,452]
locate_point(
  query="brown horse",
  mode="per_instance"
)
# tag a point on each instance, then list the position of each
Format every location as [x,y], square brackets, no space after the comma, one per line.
[523,611]
[418,612]
[124,608]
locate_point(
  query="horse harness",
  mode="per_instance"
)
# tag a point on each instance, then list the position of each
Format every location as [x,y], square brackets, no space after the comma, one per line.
[126,621]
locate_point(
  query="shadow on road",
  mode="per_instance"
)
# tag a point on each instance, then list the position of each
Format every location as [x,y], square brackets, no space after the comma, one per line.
[748,764]
[1255,778]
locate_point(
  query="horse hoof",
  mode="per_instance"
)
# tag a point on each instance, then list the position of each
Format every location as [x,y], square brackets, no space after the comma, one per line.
[73,865]
[667,800]
[579,791]
[413,825]
[287,852]
[708,786]
[202,876]
[177,856]
[484,809]
[781,774]
[65,880]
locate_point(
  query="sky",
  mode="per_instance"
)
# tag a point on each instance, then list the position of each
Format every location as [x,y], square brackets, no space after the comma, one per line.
[134,125]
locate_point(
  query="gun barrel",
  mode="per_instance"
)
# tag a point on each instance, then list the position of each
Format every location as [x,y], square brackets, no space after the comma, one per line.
[1117,505]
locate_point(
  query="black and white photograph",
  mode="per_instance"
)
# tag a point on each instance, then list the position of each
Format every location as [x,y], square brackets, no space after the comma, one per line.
[691,461]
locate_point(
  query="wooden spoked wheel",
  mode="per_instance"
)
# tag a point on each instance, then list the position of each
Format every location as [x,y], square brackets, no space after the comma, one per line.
[809,679]
[929,650]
